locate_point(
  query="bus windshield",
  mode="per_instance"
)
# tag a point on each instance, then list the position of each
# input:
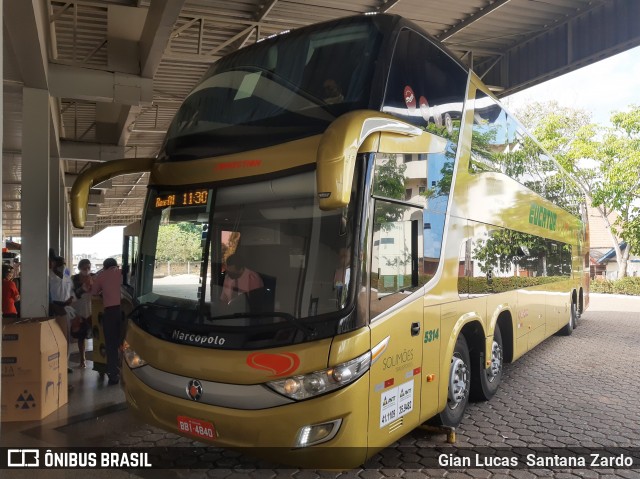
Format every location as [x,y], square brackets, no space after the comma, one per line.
[246,255]
[284,88]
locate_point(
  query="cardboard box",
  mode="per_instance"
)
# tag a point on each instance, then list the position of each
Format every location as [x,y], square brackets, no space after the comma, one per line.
[34,369]
[63,323]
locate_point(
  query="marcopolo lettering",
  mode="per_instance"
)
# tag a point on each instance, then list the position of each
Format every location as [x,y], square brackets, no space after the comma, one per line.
[541,216]
[197,339]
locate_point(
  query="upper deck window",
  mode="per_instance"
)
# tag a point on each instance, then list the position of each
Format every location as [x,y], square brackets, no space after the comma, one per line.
[285,88]
[500,144]
[426,86]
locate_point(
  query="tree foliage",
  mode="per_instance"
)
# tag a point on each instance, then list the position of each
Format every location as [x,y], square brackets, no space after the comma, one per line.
[179,242]
[507,248]
[604,160]
[389,182]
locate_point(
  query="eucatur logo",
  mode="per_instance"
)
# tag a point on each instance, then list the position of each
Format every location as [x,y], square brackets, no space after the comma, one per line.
[279,364]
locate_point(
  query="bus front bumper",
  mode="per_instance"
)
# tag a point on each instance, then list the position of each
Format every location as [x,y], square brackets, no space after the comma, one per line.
[271,433]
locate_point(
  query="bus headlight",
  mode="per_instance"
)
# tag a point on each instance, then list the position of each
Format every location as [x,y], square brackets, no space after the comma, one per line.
[306,386]
[131,357]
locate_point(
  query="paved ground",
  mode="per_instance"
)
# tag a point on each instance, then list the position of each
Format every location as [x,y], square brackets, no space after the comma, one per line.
[581,391]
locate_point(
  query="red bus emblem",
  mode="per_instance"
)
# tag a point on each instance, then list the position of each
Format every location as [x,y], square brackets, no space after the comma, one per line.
[194,389]
[278,364]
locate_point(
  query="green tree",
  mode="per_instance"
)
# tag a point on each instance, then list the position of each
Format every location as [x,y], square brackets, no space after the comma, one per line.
[506,248]
[180,242]
[605,161]
[389,182]
[620,186]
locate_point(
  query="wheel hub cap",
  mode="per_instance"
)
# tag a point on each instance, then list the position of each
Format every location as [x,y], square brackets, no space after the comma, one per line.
[496,362]
[458,382]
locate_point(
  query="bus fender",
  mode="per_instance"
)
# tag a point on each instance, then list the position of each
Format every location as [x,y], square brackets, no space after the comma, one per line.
[502,309]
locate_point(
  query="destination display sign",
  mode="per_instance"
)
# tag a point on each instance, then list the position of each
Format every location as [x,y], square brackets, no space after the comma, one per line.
[183,198]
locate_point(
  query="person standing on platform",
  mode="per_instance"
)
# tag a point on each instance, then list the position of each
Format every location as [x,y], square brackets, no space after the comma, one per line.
[61,296]
[10,294]
[81,324]
[107,282]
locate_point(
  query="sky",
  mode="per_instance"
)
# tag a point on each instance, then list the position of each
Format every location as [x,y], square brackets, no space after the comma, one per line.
[601,88]
[103,245]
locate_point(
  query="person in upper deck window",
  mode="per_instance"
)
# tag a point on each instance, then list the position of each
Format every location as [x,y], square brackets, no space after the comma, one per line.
[332,93]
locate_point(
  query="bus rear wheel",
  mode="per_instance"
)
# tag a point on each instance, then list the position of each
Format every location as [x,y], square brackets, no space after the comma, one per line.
[459,386]
[568,328]
[485,381]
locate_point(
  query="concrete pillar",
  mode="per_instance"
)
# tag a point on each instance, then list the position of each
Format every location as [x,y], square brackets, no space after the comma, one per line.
[35,203]
[1,138]
[55,207]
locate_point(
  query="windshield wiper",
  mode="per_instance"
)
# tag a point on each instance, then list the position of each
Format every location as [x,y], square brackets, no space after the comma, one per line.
[310,332]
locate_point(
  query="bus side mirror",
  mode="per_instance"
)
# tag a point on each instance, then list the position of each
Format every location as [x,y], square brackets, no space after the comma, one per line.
[339,146]
[353,133]
[97,174]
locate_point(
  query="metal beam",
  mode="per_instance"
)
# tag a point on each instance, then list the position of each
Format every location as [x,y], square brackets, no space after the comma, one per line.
[259,17]
[470,20]
[190,57]
[83,151]
[388,5]
[603,30]
[96,85]
[156,33]
[128,115]
[27,24]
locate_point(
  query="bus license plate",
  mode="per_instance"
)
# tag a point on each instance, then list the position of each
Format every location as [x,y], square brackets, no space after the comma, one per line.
[196,427]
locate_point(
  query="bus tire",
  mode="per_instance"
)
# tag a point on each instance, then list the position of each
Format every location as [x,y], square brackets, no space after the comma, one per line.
[459,386]
[485,381]
[568,328]
[575,314]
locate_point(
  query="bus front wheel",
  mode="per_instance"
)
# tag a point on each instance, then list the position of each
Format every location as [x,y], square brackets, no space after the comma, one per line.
[486,380]
[459,385]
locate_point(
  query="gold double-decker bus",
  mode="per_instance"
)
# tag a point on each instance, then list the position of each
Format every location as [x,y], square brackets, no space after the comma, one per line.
[345,236]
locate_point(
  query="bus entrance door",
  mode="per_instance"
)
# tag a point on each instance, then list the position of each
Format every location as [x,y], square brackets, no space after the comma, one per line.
[395,388]
[397,314]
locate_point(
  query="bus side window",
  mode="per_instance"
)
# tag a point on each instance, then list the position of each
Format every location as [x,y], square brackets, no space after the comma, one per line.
[397,258]
[465,269]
